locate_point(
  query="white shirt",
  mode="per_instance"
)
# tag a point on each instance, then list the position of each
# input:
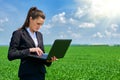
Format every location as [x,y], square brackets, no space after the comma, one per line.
[33,36]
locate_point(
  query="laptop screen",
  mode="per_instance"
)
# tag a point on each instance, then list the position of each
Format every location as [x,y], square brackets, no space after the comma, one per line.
[59,48]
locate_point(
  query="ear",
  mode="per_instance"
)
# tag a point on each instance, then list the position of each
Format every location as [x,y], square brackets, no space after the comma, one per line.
[30,19]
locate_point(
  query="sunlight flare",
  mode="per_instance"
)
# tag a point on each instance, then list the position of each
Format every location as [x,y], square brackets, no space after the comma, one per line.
[105,8]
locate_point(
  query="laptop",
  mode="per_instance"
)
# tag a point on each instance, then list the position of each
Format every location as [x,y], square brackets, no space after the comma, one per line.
[58,49]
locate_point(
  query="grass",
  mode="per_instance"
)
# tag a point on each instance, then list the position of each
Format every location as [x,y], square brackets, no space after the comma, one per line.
[8,70]
[80,63]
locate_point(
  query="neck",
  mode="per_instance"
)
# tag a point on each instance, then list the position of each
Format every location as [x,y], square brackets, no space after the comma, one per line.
[31,30]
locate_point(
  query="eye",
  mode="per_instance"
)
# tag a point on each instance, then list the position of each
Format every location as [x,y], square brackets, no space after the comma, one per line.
[39,23]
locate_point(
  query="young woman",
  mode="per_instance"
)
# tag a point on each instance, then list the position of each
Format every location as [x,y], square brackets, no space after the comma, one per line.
[27,40]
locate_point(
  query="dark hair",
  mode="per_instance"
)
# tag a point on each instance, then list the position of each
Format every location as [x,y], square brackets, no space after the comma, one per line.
[34,13]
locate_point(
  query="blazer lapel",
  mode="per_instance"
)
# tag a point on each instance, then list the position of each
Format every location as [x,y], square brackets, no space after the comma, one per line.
[40,41]
[28,38]
[38,38]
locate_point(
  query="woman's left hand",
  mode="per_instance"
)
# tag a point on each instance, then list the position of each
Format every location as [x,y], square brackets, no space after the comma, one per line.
[52,59]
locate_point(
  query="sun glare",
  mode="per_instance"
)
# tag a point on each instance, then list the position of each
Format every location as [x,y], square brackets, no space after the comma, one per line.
[105,8]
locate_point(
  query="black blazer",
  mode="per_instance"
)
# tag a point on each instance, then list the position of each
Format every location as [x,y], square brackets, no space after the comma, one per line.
[19,49]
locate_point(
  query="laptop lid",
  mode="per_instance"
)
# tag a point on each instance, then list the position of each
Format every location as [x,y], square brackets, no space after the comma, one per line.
[58,49]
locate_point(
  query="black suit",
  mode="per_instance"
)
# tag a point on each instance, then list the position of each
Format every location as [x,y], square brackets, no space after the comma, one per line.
[19,49]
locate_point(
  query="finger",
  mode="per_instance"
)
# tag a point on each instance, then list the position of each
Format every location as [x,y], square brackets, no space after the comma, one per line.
[55,58]
[52,59]
[40,50]
[38,53]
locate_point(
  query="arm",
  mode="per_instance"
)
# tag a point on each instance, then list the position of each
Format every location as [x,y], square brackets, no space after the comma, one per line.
[14,52]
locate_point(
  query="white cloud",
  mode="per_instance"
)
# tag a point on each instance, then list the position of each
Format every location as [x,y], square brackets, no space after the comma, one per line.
[108,33]
[62,35]
[112,34]
[99,35]
[87,25]
[3,20]
[116,35]
[48,26]
[72,21]
[114,27]
[79,13]
[111,31]
[76,35]
[73,34]
[59,18]
[45,29]
[56,20]
[69,34]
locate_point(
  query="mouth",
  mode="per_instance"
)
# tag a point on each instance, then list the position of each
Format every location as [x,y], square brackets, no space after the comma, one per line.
[37,28]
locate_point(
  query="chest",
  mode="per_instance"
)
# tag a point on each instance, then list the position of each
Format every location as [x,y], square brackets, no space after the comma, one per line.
[26,42]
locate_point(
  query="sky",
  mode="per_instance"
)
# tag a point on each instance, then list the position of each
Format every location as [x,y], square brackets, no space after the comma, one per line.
[83,21]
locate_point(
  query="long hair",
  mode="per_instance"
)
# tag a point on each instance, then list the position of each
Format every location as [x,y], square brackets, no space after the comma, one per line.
[34,13]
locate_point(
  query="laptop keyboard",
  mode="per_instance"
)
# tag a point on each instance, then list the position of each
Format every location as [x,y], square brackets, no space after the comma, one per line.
[44,56]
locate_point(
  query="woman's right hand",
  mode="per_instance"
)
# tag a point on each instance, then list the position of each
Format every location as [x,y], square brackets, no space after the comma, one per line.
[37,50]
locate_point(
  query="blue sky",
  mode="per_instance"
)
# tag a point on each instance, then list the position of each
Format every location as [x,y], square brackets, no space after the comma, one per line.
[83,21]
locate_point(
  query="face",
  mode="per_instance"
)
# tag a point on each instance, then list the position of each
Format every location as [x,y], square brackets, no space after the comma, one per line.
[35,24]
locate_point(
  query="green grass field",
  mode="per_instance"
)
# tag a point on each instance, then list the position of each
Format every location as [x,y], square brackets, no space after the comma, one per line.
[80,63]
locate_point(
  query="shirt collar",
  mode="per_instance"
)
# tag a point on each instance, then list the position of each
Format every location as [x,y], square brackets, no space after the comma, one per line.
[28,29]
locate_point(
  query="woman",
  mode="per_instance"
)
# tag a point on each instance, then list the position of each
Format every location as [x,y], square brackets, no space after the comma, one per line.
[26,41]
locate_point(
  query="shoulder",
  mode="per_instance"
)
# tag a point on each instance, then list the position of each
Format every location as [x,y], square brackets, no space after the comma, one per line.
[16,35]
[17,32]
